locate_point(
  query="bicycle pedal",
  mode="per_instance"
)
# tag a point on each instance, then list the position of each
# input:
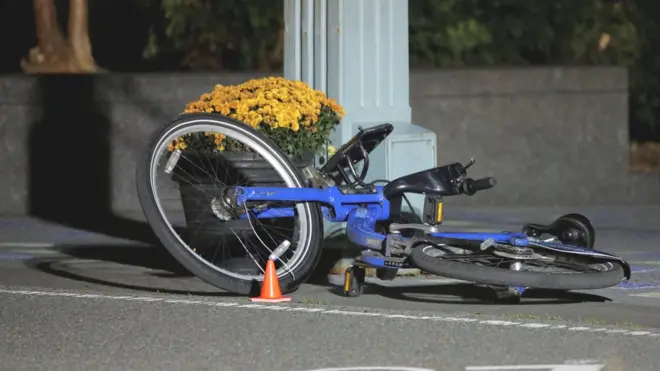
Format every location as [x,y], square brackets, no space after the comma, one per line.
[354,278]
[487,244]
[433,210]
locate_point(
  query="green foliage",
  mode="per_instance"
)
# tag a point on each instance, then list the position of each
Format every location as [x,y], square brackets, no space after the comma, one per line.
[219,34]
[245,34]
[456,33]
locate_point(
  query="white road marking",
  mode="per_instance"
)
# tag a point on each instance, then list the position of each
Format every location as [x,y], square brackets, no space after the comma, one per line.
[27,245]
[373,368]
[293,308]
[535,325]
[647,262]
[640,333]
[653,294]
[537,367]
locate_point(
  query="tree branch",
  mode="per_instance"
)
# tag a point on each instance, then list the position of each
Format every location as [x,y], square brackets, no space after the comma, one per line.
[79,36]
[49,34]
[51,47]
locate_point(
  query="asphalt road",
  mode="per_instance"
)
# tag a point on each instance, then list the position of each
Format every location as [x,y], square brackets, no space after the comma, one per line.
[118,306]
[63,331]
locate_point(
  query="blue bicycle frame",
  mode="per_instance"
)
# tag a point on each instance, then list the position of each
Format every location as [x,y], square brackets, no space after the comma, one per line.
[362,211]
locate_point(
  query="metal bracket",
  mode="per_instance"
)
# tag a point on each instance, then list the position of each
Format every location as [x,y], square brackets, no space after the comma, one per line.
[398,227]
[318,180]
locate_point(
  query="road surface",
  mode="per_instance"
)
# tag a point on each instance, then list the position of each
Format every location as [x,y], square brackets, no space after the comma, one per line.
[118,306]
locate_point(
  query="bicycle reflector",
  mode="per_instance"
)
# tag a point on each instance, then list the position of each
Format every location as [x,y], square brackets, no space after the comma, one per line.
[433,210]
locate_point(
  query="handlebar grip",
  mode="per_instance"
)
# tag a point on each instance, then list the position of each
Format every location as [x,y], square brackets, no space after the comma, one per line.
[472,186]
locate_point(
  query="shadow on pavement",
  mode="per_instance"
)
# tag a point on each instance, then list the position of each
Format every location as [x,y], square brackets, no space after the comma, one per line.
[152,258]
[140,268]
[137,268]
[70,160]
[152,269]
[467,294]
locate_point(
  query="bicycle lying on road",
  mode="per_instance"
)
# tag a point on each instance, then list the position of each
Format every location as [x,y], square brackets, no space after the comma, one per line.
[239,216]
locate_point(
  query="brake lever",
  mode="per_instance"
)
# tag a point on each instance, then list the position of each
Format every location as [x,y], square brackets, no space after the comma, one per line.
[470,164]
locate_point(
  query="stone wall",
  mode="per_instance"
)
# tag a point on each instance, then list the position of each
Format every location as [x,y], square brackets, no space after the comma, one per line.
[552,136]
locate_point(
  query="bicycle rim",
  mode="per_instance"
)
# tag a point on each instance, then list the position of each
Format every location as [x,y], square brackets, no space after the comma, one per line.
[300,237]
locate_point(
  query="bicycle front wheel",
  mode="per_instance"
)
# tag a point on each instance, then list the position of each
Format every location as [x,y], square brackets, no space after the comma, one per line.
[182,202]
[540,271]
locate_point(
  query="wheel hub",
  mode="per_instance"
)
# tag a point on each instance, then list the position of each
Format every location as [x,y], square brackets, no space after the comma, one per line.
[571,235]
[222,206]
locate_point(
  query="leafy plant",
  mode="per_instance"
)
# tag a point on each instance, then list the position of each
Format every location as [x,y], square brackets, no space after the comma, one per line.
[458,33]
[296,117]
[211,34]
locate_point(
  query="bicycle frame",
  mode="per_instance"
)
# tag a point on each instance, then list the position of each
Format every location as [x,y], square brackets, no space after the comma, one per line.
[361,211]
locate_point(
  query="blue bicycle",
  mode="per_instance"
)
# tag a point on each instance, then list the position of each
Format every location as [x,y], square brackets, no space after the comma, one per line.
[245,206]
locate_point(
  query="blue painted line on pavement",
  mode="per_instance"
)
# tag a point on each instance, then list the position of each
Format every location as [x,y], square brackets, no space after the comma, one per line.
[644,269]
[643,254]
[637,285]
[13,256]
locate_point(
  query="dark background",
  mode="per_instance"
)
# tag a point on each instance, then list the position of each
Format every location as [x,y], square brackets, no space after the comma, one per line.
[443,34]
[70,129]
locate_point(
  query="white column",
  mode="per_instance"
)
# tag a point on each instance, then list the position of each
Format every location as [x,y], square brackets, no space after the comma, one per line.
[356,51]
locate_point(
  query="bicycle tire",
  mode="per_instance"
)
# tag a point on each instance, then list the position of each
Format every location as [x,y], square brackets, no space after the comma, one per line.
[187,258]
[504,277]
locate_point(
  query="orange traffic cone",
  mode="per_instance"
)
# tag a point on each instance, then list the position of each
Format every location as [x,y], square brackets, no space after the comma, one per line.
[270,291]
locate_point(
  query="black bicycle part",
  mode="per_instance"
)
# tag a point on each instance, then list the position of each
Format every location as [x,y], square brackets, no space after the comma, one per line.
[386,274]
[354,278]
[471,186]
[447,180]
[395,207]
[358,179]
[570,229]
[353,151]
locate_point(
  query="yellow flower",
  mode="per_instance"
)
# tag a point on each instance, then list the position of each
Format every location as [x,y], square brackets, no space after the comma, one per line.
[178,143]
[331,150]
[275,103]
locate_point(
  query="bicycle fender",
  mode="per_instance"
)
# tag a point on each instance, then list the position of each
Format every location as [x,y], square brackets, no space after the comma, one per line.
[583,252]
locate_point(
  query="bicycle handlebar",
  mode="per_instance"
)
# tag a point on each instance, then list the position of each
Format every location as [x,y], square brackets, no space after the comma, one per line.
[471,186]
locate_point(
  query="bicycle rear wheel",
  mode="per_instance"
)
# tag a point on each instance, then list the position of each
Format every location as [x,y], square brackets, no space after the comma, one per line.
[543,271]
[205,235]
